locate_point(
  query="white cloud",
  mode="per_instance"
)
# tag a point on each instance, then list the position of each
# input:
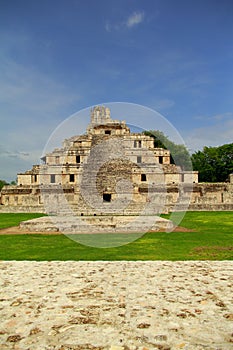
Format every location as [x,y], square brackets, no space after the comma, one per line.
[134,19]
[108,26]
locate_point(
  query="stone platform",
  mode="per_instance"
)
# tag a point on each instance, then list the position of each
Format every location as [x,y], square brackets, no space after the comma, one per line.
[97,224]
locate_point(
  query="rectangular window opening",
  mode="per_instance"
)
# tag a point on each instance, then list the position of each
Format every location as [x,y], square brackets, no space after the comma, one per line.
[160,159]
[143,177]
[77,159]
[139,143]
[71,177]
[222,197]
[52,179]
[139,159]
[107,197]
[107,132]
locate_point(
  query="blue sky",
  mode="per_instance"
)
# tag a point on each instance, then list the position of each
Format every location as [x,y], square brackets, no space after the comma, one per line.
[59,57]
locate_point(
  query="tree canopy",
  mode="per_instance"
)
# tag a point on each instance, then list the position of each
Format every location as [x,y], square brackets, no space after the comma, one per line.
[214,164]
[179,153]
[3,183]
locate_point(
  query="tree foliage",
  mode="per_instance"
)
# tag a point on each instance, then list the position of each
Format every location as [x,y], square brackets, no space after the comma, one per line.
[4,183]
[179,153]
[214,163]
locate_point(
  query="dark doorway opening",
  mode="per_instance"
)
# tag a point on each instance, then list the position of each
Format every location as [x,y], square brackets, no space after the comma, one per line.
[52,179]
[143,177]
[71,177]
[160,159]
[77,159]
[107,132]
[107,197]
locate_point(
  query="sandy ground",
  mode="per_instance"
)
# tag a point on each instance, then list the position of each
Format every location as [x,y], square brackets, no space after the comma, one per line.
[116,305]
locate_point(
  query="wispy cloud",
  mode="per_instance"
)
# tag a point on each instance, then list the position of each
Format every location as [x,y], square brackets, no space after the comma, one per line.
[13,153]
[30,89]
[134,19]
[217,134]
[108,26]
[192,83]
[163,104]
[218,117]
[24,85]
[32,103]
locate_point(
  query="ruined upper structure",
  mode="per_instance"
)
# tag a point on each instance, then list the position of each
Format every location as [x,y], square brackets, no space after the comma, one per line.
[65,165]
[107,165]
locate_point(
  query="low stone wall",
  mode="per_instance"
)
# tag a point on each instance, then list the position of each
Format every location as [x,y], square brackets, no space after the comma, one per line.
[21,209]
[210,207]
[200,196]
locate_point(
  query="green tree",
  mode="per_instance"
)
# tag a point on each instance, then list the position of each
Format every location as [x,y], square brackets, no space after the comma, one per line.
[214,163]
[179,153]
[3,183]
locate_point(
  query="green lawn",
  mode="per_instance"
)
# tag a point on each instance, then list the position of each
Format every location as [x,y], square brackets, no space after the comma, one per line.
[13,219]
[212,239]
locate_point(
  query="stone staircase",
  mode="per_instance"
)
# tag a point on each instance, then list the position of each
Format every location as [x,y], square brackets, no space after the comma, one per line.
[97,224]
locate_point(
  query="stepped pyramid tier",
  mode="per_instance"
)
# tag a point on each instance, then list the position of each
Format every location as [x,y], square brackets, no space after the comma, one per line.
[109,170]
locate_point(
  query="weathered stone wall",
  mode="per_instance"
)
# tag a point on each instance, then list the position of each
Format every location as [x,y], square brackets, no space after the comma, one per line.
[202,196]
[212,196]
[21,209]
[24,179]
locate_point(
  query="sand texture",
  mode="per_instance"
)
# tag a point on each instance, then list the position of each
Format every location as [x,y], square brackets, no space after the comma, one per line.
[116,305]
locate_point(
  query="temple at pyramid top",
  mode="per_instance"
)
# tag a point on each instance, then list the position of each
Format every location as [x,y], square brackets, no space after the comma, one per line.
[101,115]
